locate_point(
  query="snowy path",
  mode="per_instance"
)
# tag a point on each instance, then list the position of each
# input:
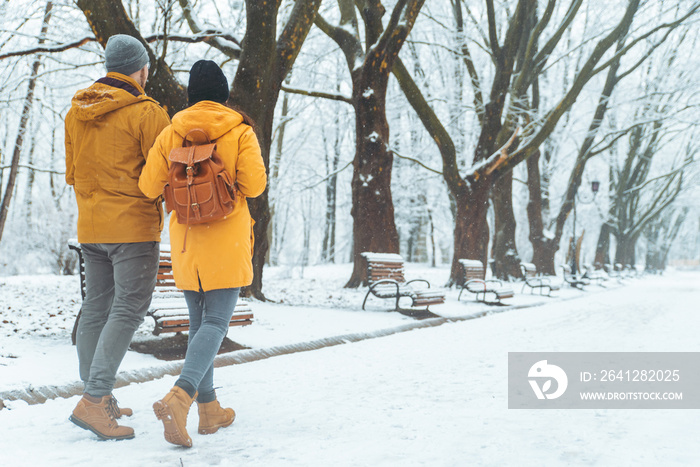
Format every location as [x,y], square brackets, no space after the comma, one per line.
[431,397]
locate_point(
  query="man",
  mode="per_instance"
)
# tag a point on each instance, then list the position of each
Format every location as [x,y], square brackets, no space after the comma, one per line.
[109,129]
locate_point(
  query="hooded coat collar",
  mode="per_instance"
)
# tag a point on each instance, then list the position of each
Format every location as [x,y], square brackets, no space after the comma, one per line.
[214,118]
[100,98]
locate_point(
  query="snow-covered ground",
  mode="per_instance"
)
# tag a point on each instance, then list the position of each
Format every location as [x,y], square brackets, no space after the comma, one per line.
[433,396]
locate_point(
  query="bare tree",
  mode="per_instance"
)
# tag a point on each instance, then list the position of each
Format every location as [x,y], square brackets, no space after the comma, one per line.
[637,199]
[374,228]
[470,191]
[23,123]
[546,246]
[660,235]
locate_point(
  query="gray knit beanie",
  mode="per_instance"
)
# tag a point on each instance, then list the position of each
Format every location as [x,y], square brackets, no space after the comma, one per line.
[125,54]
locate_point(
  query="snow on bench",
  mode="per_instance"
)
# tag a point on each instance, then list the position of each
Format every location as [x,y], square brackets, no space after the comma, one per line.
[475,282]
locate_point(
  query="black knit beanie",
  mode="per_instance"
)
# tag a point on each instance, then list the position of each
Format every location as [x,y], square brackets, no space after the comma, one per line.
[207,83]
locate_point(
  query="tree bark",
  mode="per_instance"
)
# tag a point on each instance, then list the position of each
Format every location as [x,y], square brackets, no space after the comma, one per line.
[505,253]
[471,230]
[328,247]
[602,251]
[543,247]
[625,250]
[30,181]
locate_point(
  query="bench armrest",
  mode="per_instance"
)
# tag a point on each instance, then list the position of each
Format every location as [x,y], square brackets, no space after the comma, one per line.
[419,280]
[467,285]
[382,282]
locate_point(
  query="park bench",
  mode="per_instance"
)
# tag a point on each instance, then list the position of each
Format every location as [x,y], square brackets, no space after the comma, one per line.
[613,271]
[385,278]
[574,280]
[594,275]
[475,282]
[534,281]
[168,307]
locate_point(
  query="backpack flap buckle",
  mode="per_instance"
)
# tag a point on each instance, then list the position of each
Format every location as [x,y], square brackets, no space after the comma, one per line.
[187,156]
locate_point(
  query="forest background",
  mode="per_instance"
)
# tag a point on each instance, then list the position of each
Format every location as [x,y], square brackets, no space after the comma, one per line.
[438,129]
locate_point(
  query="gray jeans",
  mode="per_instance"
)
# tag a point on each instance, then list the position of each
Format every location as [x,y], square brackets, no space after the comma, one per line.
[210,314]
[120,278]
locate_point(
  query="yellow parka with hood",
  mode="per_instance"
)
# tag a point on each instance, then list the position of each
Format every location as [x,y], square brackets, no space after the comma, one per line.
[219,253]
[109,131]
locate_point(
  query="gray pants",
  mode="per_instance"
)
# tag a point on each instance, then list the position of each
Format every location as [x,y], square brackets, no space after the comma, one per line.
[120,278]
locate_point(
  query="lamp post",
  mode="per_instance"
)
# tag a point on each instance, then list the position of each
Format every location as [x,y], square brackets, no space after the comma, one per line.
[594,189]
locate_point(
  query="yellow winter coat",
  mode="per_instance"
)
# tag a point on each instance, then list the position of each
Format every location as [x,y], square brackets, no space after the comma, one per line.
[219,253]
[109,130]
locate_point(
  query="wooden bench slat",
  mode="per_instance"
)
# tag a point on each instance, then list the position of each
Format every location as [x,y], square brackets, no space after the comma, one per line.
[179,320]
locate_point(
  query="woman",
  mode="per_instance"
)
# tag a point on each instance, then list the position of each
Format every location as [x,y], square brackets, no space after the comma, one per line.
[217,259]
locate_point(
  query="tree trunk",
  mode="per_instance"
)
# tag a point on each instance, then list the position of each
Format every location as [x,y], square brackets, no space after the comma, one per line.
[625,251]
[505,253]
[471,230]
[30,181]
[329,228]
[374,228]
[52,184]
[23,121]
[670,237]
[602,251]
[433,251]
[543,248]
[272,231]
[331,194]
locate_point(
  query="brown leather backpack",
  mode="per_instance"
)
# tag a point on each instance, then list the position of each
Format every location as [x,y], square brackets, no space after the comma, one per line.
[199,188]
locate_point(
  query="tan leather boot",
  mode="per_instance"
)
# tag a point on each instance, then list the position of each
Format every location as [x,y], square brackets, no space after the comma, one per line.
[100,418]
[212,417]
[122,411]
[172,411]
